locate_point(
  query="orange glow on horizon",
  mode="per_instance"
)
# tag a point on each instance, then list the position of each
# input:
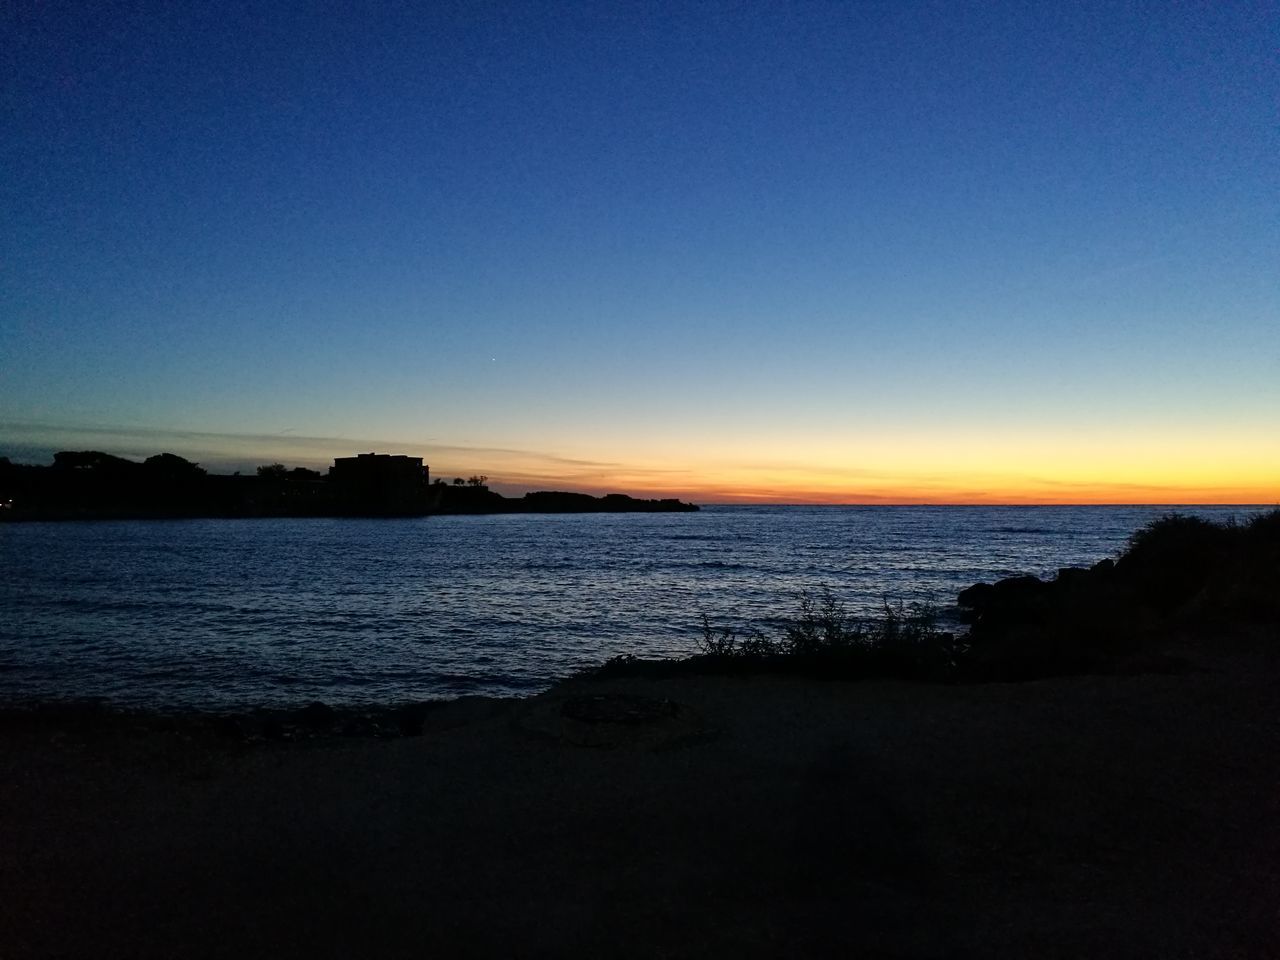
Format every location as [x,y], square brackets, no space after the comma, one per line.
[1189,484]
[932,466]
[1118,464]
[1129,463]
[1099,493]
[1101,497]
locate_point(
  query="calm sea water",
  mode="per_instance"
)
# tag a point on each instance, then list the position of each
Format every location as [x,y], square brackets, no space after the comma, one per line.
[234,613]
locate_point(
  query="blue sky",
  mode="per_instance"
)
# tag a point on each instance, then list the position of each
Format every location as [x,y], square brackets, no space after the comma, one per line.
[808,252]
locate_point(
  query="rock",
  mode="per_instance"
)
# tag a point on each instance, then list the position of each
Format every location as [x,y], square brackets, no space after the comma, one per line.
[976,596]
[1021,587]
[411,718]
[1071,576]
[316,715]
[1011,590]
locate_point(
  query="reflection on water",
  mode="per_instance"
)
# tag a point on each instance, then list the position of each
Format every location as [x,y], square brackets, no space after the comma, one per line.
[239,612]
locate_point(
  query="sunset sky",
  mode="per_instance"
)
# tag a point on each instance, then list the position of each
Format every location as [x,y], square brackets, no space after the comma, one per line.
[846,252]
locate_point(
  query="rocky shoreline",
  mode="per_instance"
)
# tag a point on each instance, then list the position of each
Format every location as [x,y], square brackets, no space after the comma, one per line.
[1116,806]
[1183,590]
[693,816]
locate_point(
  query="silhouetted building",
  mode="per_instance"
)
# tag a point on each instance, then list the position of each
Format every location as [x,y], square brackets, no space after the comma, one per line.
[381,483]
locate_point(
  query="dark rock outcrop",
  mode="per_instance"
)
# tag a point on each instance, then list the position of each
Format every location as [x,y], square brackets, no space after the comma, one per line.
[90,485]
[1181,580]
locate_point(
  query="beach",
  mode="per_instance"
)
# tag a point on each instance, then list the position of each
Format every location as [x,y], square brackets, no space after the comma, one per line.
[1098,816]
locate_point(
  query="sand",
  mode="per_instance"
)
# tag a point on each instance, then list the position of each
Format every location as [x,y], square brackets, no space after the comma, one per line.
[693,817]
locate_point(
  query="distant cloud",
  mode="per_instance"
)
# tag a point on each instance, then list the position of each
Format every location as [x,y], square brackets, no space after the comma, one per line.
[509,466]
[514,470]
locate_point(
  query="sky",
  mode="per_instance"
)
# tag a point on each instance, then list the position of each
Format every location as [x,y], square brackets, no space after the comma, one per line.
[849,252]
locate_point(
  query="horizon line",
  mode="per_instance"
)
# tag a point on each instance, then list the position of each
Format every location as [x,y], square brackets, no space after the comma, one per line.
[993,503]
[515,472]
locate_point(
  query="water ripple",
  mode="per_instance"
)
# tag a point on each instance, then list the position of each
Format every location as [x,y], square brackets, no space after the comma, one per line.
[237,613]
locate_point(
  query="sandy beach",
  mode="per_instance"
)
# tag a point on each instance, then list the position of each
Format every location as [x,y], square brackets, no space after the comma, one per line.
[1118,816]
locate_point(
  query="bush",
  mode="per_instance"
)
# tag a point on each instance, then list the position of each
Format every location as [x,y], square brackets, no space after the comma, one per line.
[1264,529]
[1187,564]
[825,640]
[729,643]
[1178,535]
[908,642]
[823,627]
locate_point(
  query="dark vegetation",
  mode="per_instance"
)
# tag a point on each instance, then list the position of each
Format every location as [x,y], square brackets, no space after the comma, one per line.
[470,497]
[93,485]
[1182,585]
[90,485]
[473,496]
[902,642]
[824,641]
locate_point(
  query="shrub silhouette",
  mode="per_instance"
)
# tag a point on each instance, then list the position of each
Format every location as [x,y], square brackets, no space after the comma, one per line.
[825,640]
[823,628]
[1170,560]
[1180,579]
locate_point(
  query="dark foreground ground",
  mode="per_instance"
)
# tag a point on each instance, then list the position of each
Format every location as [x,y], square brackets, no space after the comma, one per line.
[1081,817]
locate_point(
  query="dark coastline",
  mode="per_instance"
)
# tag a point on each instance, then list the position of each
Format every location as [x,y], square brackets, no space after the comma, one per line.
[89,485]
[734,805]
[1184,589]
[572,503]
[687,817]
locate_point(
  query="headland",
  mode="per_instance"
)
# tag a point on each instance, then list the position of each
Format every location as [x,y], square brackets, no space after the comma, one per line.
[91,485]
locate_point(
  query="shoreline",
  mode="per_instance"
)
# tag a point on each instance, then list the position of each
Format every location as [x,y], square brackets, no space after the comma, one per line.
[752,816]
[1179,576]
[313,720]
[316,721]
[1093,771]
[384,719]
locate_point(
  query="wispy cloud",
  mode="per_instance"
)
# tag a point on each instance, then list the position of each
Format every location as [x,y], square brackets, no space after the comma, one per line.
[515,470]
[228,450]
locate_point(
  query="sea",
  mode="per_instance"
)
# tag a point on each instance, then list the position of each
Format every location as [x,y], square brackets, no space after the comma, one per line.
[236,614]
